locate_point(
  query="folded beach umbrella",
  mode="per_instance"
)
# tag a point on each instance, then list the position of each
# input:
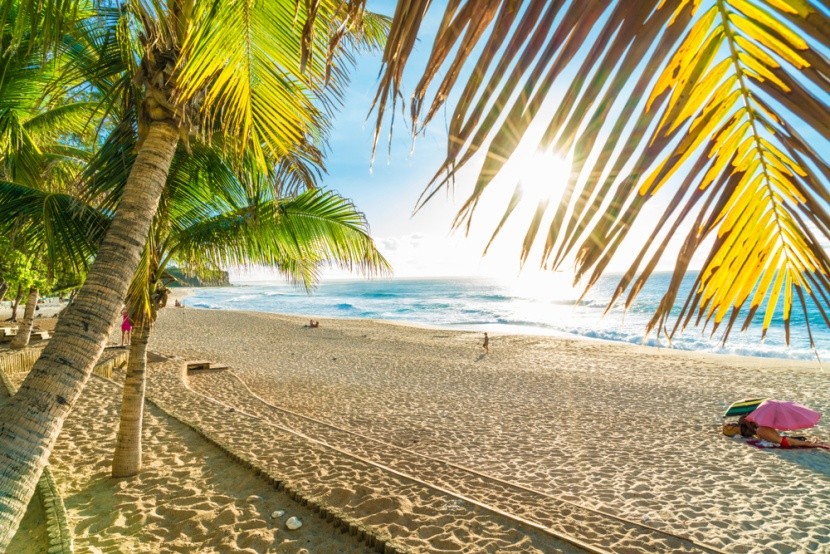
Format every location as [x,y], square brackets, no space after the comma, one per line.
[743,407]
[784,416]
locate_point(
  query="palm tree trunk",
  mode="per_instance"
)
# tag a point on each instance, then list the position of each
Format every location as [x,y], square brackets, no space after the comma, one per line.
[4,286]
[126,460]
[24,331]
[17,300]
[31,421]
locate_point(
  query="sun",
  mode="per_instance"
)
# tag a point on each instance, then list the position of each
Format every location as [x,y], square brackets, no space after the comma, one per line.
[543,175]
[525,196]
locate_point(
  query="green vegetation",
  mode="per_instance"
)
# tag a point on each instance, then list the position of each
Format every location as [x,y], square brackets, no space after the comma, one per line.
[246,79]
[205,278]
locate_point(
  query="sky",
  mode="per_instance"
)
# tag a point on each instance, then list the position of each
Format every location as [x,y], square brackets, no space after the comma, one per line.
[418,244]
[387,190]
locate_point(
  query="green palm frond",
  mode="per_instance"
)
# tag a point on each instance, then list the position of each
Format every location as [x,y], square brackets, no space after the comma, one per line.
[300,170]
[245,58]
[200,185]
[21,84]
[43,127]
[22,81]
[59,225]
[44,22]
[19,154]
[295,236]
[139,299]
[304,272]
[39,153]
[318,226]
[103,53]
[61,121]
[257,70]
[720,105]
[369,32]
[105,175]
[337,231]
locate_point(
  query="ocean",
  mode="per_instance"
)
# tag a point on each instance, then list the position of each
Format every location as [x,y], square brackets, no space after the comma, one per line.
[538,305]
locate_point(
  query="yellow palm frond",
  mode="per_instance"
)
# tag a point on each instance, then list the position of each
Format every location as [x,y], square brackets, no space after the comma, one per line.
[721,107]
[257,68]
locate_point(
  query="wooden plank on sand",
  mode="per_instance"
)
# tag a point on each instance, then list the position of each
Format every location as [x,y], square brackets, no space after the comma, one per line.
[203,365]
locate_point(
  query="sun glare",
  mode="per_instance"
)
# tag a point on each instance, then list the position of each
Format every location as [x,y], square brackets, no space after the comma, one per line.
[541,176]
[544,175]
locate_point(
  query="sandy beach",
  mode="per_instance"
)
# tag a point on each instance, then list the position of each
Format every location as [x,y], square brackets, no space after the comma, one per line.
[542,445]
[627,431]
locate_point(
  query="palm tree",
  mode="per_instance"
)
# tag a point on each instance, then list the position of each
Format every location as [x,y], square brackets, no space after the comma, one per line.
[42,130]
[42,171]
[249,72]
[209,218]
[719,107]
[24,330]
[59,231]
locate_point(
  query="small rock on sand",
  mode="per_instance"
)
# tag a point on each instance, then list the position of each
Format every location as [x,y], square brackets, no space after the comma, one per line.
[293,522]
[277,513]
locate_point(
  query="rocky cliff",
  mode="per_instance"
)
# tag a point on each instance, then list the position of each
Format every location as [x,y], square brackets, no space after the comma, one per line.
[205,278]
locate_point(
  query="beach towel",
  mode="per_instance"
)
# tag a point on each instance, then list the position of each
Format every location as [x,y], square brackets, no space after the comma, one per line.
[760,443]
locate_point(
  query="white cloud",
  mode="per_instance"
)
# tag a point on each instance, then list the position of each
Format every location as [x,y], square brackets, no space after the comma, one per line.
[388,245]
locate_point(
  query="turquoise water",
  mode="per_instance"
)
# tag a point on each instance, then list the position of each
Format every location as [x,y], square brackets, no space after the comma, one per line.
[532,306]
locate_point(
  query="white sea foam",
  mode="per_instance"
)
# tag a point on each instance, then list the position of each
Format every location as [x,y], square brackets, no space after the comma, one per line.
[484,304]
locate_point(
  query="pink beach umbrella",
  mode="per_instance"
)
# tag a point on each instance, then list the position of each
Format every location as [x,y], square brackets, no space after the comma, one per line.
[784,416]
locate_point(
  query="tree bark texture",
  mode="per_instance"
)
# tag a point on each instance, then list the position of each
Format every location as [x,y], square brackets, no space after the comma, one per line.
[4,286]
[24,330]
[126,461]
[17,300]
[31,421]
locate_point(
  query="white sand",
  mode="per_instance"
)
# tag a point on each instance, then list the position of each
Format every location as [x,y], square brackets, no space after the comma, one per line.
[420,437]
[628,431]
[190,496]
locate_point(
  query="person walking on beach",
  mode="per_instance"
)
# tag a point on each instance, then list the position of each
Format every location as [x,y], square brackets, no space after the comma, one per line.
[126,328]
[486,344]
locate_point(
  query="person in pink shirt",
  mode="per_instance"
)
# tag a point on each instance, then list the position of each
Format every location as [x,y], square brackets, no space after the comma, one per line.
[126,328]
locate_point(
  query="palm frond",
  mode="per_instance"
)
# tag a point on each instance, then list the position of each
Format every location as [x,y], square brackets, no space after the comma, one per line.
[245,58]
[707,102]
[101,49]
[106,173]
[300,170]
[63,228]
[43,22]
[317,226]
[139,299]
[201,184]
[338,232]
[61,121]
[258,70]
